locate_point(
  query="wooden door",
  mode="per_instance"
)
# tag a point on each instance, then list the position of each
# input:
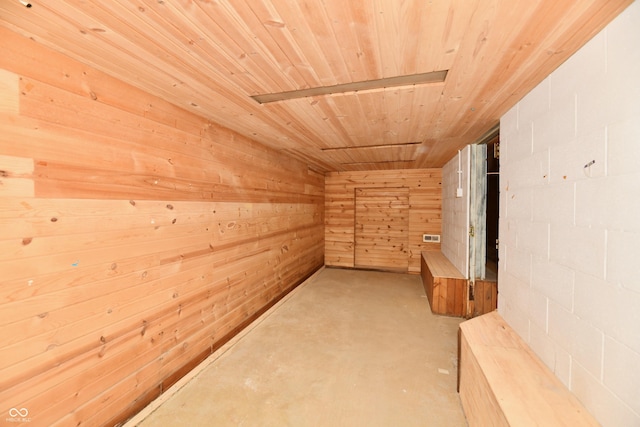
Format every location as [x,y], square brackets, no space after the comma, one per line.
[382,228]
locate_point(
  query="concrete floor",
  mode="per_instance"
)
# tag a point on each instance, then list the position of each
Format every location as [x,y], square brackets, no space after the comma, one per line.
[346,348]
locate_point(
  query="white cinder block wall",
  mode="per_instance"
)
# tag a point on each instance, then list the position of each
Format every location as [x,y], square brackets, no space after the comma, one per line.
[454,243]
[569,276]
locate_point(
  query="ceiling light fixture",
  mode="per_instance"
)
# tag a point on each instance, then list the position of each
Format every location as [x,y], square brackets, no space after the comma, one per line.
[412,79]
[376,162]
[369,147]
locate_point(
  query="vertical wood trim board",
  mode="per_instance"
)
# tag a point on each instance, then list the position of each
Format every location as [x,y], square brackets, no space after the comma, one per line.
[485,298]
[424,188]
[136,237]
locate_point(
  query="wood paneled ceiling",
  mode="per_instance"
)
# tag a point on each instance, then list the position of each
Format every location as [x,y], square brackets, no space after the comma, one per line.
[213,56]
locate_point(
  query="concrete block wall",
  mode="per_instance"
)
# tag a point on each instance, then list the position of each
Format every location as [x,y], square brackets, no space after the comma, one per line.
[455,212]
[570,221]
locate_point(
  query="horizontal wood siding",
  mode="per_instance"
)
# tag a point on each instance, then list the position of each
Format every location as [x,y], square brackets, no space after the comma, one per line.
[425,203]
[135,238]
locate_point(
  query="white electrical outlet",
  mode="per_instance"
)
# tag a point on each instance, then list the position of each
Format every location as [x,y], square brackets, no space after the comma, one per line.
[459,192]
[430,238]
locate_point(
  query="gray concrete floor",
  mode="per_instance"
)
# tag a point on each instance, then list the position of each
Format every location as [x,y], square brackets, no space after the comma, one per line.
[346,348]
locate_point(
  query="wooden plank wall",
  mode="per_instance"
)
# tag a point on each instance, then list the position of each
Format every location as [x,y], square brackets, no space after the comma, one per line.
[425,206]
[135,238]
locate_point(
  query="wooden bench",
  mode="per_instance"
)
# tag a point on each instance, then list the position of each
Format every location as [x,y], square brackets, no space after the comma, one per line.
[449,292]
[503,383]
[444,284]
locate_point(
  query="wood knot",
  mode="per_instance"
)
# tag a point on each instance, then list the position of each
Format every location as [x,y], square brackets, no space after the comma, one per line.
[27,240]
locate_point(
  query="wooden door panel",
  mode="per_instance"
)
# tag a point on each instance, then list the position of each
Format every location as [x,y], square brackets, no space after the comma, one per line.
[382,228]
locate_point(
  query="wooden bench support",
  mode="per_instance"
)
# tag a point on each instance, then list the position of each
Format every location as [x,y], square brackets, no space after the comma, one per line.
[503,383]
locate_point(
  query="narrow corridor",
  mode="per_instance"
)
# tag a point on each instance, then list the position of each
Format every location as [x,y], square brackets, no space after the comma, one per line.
[346,348]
